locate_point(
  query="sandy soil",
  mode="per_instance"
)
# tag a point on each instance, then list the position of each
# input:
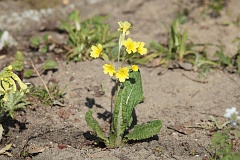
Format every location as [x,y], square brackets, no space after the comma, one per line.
[183,102]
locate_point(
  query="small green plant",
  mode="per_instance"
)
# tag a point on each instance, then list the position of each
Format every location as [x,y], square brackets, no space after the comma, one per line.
[224,142]
[15,102]
[128,93]
[231,64]
[214,7]
[42,44]
[177,50]
[81,35]
[11,98]
[18,65]
[51,96]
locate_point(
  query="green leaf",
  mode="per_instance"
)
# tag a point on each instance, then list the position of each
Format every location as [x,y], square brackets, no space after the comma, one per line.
[17,65]
[15,101]
[129,95]
[45,38]
[28,73]
[223,59]
[74,16]
[44,49]
[144,131]
[49,64]
[158,47]
[19,56]
[35,42]
[220,139]
[182,47]
[93,123]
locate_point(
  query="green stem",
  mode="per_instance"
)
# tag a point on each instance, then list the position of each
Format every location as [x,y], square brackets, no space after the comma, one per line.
[118,139]
[121,38]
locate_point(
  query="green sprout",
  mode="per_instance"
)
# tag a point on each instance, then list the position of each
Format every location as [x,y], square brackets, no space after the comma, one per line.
[128,93]
[52,96]
[42,44]
[230,63]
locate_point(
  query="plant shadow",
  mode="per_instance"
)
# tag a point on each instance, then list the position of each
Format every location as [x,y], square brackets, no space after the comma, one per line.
[47,70]
[7,123]
[90,102]
[90,137]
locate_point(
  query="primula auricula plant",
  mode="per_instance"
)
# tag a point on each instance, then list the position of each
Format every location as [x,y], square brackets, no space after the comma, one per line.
[128,93]
[11,96]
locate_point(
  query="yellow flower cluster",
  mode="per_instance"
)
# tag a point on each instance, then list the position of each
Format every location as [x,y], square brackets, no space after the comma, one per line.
[131,47]
[122,74]
[124,27]
[8,81]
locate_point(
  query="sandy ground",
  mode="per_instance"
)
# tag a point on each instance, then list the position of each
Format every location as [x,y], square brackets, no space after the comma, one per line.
[183,102]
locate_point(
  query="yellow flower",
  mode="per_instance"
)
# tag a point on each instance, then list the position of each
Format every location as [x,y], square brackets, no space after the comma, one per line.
[130,45]
[141,48]
[96,51]
[135,68]
[124,27]
[122,74]
[109,68]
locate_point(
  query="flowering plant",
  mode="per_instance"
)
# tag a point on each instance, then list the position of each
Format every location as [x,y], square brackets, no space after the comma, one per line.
[224,142]
[128,93]
[11,96]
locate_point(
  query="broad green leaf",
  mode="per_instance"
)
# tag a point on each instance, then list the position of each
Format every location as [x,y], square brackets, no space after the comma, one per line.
[28,73]
[49,64]
[93,123]
[129,95]
[44,49]
[35,42]
[19,56]
[144,131]
[17,65]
